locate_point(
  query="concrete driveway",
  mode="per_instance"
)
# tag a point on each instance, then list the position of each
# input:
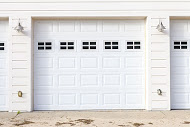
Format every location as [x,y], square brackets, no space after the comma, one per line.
[119,118]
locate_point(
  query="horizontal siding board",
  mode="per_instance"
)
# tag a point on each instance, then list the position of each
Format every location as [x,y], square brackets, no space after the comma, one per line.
[93,6]
[159,104]
[19,81]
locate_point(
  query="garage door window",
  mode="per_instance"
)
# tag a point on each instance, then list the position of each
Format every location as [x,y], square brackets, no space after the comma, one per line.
[133,45]
[67,45]
[2,46]
[89,45]
[111,45]
[180,45]
[44,45]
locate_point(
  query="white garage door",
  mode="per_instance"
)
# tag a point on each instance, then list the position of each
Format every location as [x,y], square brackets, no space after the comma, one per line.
[180,64]
[3,66]
[89,64]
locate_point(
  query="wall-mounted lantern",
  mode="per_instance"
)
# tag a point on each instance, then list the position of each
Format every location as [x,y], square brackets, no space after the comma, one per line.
[19,93]
[159,91]
[160,27]
[19,28]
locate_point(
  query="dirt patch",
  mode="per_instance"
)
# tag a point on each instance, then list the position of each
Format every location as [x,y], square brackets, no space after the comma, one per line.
[23,123]
[138,124]
[59,124]
[85,121]
[122,125]
[186,122]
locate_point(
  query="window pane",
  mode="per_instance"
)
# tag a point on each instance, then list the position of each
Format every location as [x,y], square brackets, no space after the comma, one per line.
[183,47]
[129,43]
[176,43]
[63,47]
[114,43]
[63,43]
[114,47]
[70,43]
[48,43]
[40,48]
[176,47]
[85,47]
[107,47]
[40,43]
[137,43]
[129,47]
[70,47]
[184,43]
[92,43]
[137,47]
[107,43]
[85,43]
[92,47]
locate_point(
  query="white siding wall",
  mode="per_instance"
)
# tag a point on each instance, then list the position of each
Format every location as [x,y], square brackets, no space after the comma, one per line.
[20,65]
[158,64]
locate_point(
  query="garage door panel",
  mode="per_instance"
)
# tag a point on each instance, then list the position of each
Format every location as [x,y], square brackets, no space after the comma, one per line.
[67,63]
[4,66]
[3,102]
[180,61]
[44,63]
[181,98]
[89,63]
[67,80]
[180,69]
[176,80]
[85,78]
[109,62]
[44,80]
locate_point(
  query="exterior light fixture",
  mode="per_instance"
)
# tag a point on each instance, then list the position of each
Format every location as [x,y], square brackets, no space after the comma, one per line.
[19,28]
[159,91]
[160,27]
[19,93]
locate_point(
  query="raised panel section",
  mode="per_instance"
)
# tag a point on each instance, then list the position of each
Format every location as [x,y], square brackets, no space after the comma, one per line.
[111,62]
[110,26]
[133,26]
[67,63]
[2,63]
[180,98]
[67,26]
[44,99]
[89,26]
[112,99]
[3,26]
[89,63]
[3,81]
[134,99]
[44,27]
[89,99]
[133,62]
[134,80]
[109,80]
[180,79]
[44,63]
[67,99]
[43,81]
[3,101]
[67,80]
[180,62]
[89,80]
